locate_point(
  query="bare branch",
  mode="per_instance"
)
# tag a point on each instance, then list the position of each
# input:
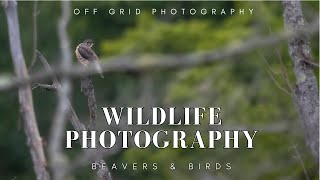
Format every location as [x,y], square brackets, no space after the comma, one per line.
[277,83]
[310,62]
[58,161]
[25,94]
[157,62]
[306,91]
[271,75]
[93,155]
[78,126]
[298,157]
[45,86]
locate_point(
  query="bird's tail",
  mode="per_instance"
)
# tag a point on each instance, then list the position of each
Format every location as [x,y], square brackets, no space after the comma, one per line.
[98,67]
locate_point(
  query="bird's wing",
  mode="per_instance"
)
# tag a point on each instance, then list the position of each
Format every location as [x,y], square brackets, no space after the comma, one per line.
[87,53]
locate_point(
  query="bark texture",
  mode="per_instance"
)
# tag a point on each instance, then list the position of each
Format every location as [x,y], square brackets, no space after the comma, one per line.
[87,88]
[306,91]
[88,91]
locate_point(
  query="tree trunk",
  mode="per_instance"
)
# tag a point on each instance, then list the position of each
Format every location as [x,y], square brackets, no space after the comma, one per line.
[25,95]
[305,94]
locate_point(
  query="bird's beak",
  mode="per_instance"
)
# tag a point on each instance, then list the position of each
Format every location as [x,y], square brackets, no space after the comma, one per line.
[91,45]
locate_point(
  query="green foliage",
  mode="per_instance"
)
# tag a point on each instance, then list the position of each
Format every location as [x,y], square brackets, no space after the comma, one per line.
[154,36]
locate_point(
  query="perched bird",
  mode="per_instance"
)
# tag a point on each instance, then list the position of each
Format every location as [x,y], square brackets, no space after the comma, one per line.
[86,55]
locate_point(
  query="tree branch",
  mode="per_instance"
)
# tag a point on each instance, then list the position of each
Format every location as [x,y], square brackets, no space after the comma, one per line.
[156,62]
[88,90]
[34,34]
[95,155]
[78,126]
[25,94]
[58,161]
[299,158]
[272,77]
[306,96]
[45,86]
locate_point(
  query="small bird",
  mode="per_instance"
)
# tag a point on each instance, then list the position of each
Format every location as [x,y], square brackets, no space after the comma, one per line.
[86,55]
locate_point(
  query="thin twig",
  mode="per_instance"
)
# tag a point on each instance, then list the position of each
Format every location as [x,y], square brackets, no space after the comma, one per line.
[277,83]
[44,86]
[271,74]
[310,62]
[298,157]
[78,126]
[284,71]
[34,34]
[150,63]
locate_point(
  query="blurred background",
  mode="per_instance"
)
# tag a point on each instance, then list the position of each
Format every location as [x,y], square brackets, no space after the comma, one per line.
[246,87]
